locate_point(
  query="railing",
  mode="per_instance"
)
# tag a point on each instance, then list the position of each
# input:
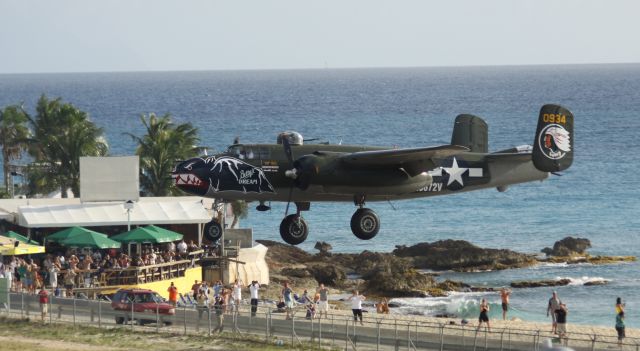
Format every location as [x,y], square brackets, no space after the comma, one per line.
[337,330]
[127,276]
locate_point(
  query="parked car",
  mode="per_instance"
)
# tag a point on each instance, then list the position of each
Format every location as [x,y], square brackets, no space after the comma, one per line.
[142,306]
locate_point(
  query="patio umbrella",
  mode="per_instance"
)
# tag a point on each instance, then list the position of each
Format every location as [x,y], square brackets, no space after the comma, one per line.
[21,249]
[91,239]
[24,239]
[70,232]
[144,235]
[168,233]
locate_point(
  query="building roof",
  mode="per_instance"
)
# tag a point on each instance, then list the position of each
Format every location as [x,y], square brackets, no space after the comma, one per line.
[44,213]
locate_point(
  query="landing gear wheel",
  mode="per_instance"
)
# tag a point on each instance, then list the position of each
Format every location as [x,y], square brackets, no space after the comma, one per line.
[213,230]
[365,224]
[294,229]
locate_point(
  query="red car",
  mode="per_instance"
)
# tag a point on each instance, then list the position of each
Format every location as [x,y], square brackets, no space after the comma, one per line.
[148,307]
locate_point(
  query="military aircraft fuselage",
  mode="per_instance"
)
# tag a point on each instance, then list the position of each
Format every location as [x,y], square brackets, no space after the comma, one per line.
[257,172]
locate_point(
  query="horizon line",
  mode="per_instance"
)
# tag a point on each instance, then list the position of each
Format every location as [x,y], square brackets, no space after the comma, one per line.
[324,68]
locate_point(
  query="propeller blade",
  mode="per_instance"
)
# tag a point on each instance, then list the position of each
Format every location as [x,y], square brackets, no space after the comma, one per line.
[291,173]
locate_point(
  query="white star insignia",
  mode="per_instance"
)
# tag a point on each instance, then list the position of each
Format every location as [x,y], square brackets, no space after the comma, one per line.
[455,172]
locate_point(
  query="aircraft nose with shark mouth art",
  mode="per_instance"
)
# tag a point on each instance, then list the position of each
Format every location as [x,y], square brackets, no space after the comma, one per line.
[212,175]
[294,172]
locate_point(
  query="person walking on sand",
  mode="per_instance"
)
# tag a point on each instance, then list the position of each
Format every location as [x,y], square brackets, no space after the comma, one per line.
[484,315]
[173,294]
[504,295]
[356,305]
[552,308]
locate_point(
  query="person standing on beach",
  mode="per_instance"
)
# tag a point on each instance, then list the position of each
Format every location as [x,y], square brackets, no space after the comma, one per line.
[323,303]
[504,295]
[619,305]
[287,297]
[356,305]
[561,319]
[620,327]
[552,308]
[484,314]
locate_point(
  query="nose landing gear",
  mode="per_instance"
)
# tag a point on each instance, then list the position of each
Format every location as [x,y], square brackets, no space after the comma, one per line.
[293,228]
[365,223]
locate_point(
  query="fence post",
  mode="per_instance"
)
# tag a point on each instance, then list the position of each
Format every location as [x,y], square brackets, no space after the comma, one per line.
[593,342]
[157,317]
[209,319]
[50,310]
[132,312]
[378,335]
[475,340]
[99,314]
[409,336]
[21,305]
[266,324]
[502,340]
[536,340]
[346,335]
[74,310]
[441,337]
[184,314]
[320,332]
[333,331]
[293,328]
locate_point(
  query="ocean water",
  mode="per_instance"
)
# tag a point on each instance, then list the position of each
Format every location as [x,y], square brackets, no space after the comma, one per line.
[597,198]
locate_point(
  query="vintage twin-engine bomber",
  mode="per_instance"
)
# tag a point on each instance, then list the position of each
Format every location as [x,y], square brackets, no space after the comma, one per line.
[291,171]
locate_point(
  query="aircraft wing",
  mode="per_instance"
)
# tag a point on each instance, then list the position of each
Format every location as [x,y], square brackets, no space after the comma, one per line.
[414,160]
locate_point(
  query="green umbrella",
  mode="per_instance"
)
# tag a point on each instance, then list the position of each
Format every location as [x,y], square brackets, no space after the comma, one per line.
[70,232]
[24,239]
[169,233]
[91,239]
[144,235]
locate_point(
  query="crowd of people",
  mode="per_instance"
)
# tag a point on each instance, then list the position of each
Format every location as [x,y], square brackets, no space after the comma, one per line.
[75,268]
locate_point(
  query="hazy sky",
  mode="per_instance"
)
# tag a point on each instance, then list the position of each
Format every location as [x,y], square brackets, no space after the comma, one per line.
[141,35]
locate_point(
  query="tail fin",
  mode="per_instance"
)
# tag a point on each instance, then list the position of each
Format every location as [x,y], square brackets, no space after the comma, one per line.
[553,145]
[471,131]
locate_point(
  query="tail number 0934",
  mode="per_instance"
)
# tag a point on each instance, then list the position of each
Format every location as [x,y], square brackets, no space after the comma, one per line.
[553,118]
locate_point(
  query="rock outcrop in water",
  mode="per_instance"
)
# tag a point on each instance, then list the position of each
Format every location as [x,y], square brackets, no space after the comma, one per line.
[572,250]
[460,255]
[568,246]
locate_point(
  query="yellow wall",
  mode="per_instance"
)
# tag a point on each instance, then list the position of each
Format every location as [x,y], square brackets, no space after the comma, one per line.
[182,283]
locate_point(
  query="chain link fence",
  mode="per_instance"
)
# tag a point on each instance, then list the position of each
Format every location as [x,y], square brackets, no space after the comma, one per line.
[338,330]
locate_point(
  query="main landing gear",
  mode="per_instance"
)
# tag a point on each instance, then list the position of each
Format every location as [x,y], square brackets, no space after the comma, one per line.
[365,223]
[293,228]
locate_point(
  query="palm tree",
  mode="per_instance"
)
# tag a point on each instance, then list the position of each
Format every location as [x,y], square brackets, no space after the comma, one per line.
[62,134]
[240,210]
[164,144]
[14,136]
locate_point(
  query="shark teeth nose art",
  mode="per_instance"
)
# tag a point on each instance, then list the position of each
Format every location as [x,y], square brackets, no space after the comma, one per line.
[188,179]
